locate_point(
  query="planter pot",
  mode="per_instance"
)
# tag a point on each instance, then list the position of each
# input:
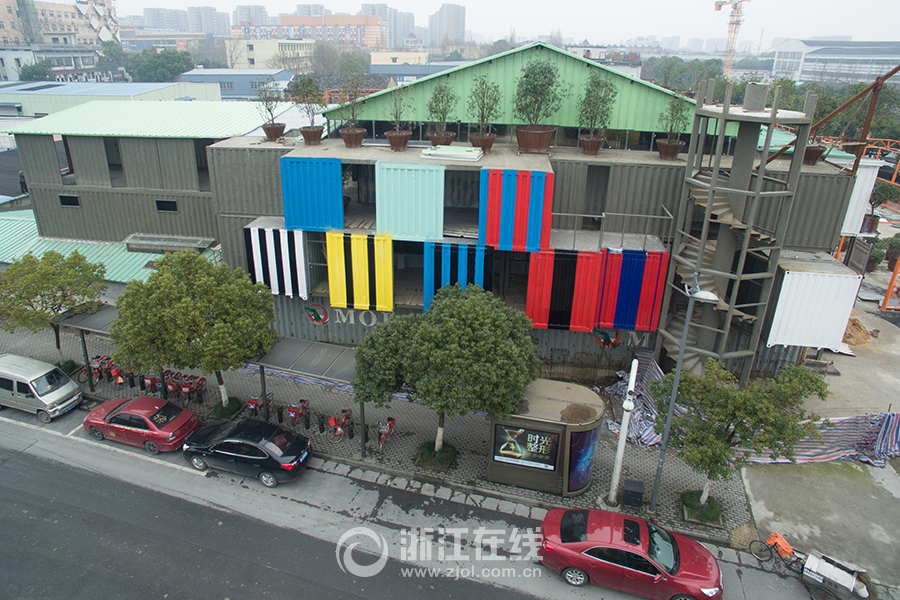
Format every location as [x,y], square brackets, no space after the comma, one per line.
[312,135]
[352,136]
[485,142]
[851,144]
[590,144]
[669,148]
[273,131]
[871,266]
[398,139]
[869,224]
[892,255]
[441,138]
[534,139]
[813,154]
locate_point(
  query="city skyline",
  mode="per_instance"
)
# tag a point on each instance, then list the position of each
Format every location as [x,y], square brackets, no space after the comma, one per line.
[580,19]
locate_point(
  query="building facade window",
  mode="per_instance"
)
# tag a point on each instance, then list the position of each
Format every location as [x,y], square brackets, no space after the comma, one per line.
[167,206]
[69,201]
[251,61]
[226,85]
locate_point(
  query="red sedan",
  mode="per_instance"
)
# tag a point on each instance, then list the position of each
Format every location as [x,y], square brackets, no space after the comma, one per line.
[154,423]
[629,554]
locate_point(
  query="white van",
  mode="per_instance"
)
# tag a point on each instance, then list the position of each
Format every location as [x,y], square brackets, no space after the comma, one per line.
[36,387]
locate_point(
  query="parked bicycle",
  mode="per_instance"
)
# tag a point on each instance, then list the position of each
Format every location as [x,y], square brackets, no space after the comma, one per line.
[338,426]
[192,388]
[172,382]
[777,546]
[299,409]
[384,431]
[256,402]
[95,367]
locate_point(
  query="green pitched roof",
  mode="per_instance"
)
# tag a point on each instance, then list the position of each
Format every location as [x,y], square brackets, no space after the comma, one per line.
[163,119]
[638,103]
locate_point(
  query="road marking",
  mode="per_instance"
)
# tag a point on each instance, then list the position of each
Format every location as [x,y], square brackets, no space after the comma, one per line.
[94,444]
[74,430]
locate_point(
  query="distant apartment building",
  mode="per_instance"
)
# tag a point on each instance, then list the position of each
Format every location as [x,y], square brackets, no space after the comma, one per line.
[695,46]
[312,10]
[251,15]
[447,25]
[835,61]
[24,23]
[359,30]
[170,19]
[398,24]
[294,55]
[208,20]
[137,40]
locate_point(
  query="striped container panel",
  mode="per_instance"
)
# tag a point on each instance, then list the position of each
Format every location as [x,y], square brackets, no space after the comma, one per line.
[447,264]
[277,258]
[514,209]
[360,271]
[312,190]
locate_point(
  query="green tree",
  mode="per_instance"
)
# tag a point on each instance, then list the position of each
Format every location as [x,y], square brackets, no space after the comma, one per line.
[352,64]
[39,71]
[191,314]
[767,416]
[456,55]
[112,55]
[153,66]
[540,91]
[33,292]
[468,352]
[325,59]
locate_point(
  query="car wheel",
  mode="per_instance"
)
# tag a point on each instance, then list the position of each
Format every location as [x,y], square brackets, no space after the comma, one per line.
[268,480]
[151,448]
[198,463]
[96,434]
[43,416]
[574,576]
[682,597]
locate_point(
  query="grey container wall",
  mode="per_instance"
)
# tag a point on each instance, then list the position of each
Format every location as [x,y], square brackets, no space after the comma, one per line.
[38,154]
[231,237]
[112,214]
[247,181]
[178,165]
[140,161]
[89,161]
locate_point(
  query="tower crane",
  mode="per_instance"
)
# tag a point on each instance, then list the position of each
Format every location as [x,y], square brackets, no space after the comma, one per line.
[734,25]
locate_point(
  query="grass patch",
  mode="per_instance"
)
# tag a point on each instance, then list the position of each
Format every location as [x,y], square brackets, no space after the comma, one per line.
[711,512]
[68,367]
[436,461]
[228,411]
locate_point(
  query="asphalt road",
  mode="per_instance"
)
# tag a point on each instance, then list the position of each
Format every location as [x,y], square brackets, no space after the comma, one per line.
[83,519]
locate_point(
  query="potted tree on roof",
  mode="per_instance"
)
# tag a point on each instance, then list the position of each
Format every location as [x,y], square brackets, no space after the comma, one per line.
[673,120]
[539,94]
[310,98]
[268,98]
[442,102]
[484,107]
[882,193]
[352,134]
[595,110]
[397,109]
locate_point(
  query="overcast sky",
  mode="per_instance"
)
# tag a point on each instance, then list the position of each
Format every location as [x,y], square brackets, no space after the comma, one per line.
[605,21]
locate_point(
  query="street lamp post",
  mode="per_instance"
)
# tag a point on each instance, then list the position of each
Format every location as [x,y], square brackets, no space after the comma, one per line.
[693,293]
[627,407]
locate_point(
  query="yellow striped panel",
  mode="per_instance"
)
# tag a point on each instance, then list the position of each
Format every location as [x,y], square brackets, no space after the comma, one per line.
[337,282]
[359,252]
[384,273]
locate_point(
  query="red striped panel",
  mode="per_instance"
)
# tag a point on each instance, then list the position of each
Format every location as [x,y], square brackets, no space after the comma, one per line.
[495,196]
[610,292]
[548,208]
[586,302]
[523,199]
[648,292]
[660,287]
[540,280]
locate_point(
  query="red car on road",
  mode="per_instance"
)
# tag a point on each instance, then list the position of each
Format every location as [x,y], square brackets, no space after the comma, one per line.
[154,423]
[629,554]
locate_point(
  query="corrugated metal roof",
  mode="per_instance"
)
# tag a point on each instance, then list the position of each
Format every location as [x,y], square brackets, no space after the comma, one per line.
[638,104]
[163,119]
[19,236]
[18,230]
[84,88]
[263,73]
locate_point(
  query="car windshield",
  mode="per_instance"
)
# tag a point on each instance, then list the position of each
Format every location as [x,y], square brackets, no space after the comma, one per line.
[49,382]
[573,526]
[165,414]
[279,443]
[662,548]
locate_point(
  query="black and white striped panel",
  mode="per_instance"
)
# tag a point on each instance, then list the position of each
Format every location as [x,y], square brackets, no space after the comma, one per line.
[277,257]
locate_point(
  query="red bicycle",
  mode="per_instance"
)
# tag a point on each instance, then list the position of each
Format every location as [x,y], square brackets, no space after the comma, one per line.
[192,388]
[95,367]
[384,431]
[338,426]
[256,402]
[172,381]
[299,409]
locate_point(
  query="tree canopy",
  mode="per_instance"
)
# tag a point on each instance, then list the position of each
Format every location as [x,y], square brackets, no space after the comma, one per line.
[112,55]
[191,314]
[468,352]
[35,291]
[153,66]
[767,416]
[352,64]
[39,71]
[325,59]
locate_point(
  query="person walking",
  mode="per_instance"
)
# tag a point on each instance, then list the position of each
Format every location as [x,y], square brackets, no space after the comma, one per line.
[22,183]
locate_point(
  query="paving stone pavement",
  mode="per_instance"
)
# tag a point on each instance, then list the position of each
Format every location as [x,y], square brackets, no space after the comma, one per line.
[466,482]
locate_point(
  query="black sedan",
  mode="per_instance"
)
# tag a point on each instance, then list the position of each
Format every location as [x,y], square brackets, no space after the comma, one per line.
[249,447]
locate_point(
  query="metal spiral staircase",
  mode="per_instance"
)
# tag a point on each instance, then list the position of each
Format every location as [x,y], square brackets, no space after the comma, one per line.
[730,229]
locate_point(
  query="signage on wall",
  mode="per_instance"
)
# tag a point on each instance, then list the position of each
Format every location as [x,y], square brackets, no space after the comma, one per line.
[526,447]
[320,315]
